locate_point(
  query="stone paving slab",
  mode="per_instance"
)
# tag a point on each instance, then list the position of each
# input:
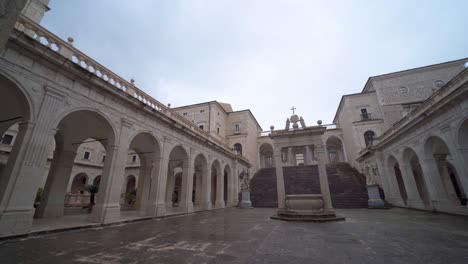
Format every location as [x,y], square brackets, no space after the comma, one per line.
[249,236]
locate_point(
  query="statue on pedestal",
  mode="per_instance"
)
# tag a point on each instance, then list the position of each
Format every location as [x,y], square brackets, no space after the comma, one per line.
[371,172]
[244,179]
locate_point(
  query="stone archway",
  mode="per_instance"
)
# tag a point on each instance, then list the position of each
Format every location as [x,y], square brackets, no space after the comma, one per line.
[74,129]
[395,170]
[79,181]
[199,180]
[130,190]
[178,169]
[266,156]
[16,112]
[335,151]
[97,181]
[438,153]
[146,147]
[216,181]
[411,159]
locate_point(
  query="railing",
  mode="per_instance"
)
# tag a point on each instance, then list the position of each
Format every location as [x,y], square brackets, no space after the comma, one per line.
[366,116]
[67,50]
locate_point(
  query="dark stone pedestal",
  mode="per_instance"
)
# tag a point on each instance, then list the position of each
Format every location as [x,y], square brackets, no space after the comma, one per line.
[375,201]
[245,200]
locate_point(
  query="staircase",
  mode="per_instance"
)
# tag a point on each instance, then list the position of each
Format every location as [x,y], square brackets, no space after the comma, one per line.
[301,179]
[263,188]
[347,186]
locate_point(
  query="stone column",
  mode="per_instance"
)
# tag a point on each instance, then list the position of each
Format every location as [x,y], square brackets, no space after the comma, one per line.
[230,189]
[414,199]
[52,204]
[170,186]
[290,157]
[22,175]
[186,204]
[199,187]
[437,193]
[144,185]
[107,208]
[445,178]
[324,187]
[308,155]
[461,167]
[206,190]
[220,189]
[157,206]
[235,178]
[279,179]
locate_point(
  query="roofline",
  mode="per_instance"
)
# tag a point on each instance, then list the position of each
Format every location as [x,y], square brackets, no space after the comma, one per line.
[250,112]
[216,102]
[198,104]
[340,105]
[412,69]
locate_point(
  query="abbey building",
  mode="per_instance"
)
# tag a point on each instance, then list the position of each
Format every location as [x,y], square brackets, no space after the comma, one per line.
[68,122]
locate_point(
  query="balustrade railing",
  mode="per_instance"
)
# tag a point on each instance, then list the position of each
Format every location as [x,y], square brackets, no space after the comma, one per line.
[67,50]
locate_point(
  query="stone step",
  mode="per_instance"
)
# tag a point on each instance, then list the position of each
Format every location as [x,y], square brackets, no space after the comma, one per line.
[347,185]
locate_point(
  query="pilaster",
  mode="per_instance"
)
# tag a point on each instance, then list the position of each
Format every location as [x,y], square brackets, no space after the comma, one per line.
[107,208]
[324,187]
[279,178]
[186,204]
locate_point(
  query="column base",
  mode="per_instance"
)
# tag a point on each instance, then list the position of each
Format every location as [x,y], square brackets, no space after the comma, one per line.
[16,222]
[50,211]
[206,206]
[219,204]
[186,207]
[417,203]
[156,210]
[375,201]
[245,202]
[105,214]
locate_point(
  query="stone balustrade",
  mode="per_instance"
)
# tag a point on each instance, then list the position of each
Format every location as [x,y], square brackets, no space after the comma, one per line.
[67,50]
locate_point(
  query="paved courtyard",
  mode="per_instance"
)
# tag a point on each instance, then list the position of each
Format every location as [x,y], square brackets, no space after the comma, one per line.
[249,236]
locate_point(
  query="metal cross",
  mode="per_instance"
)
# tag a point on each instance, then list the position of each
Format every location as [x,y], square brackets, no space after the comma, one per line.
[293,108]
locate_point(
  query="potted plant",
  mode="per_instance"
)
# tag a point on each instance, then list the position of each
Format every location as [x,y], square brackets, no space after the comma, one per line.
[92,190]
[38,199]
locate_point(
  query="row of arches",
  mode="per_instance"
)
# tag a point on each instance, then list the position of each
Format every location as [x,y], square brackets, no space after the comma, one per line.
[172,168]
[334,150]
[432,177]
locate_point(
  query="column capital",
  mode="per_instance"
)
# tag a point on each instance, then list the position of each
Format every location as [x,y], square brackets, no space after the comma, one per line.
[56,93]
[126,123]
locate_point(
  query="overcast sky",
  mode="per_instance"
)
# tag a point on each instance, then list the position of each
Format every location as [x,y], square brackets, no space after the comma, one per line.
[261,55]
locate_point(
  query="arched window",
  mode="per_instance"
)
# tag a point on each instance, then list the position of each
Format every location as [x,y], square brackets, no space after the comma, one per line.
[238,148]
[369,137]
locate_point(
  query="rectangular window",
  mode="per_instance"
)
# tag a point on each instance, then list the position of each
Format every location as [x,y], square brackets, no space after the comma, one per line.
[86,155]
[364,114]
[299,159]
[217,130]
[237,128]
[104,158]
[202,111]
[201,127]
[134,159]
[7,139]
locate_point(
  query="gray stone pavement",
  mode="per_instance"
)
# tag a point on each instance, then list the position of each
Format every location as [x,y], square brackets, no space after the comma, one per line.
[249,236]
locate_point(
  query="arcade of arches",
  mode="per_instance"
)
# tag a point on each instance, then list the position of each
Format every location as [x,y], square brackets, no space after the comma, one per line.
[152,161]
[184,175]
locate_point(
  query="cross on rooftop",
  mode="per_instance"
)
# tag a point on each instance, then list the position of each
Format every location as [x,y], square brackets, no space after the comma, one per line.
[293,108]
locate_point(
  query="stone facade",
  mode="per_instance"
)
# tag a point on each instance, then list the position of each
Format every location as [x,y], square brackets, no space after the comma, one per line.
[59,104]
[57,94]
